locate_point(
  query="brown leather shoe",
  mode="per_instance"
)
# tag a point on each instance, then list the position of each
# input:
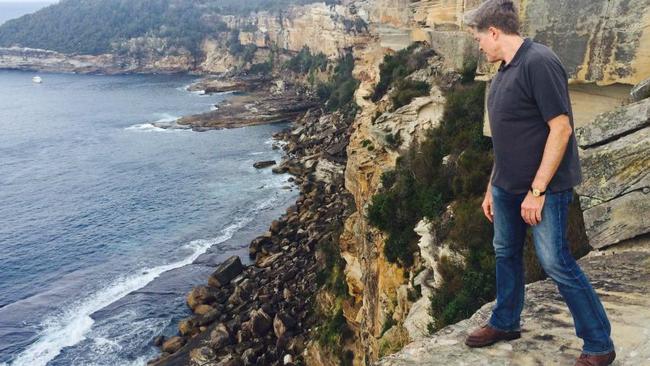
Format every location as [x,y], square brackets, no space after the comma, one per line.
[486,335]
[600,360]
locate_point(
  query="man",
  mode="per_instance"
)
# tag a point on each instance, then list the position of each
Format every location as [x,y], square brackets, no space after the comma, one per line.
[536,166]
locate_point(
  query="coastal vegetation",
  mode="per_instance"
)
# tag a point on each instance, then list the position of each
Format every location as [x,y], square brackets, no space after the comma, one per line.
[443,179]
[332,81]
[394,70]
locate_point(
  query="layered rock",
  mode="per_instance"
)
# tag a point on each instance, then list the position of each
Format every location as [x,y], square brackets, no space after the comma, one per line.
[323,28]
[599,41]
[615,193]
[50,61]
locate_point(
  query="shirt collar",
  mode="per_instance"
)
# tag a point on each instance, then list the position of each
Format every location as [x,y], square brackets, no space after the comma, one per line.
[520,52]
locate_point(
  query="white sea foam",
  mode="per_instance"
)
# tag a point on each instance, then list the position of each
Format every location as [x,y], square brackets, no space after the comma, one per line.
[146,127]
[70,327]
[165,119]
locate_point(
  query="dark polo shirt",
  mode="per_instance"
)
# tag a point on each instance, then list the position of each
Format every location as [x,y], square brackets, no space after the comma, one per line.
[524,95]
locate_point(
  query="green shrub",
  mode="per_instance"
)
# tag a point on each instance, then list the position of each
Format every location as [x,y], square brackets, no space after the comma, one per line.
[406,90]
[263,68]
[338,92]
[397,66]
[388,178]
[468,73]
[394,140]
[334,330]
[388,323]
[304,61]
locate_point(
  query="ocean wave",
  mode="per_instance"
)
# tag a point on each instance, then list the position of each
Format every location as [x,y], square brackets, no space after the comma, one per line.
[165,119]
[70,326]
[146,127]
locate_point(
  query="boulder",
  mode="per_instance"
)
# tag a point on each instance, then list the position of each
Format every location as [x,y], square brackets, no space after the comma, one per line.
[158,340]
[268,260]
[200,295]
[173,344]
[282,322]
[622,218]
[186,326]
[614,169]
[260,322]
[225,272]
[203,309]
[263,164]
[220,337]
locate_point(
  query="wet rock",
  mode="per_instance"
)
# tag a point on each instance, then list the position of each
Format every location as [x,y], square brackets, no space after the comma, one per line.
[203,309]
[208,318]
[200,295]
[263,164]
[158,341]
[226,272]
[173,344]
[186,327]
[276,226]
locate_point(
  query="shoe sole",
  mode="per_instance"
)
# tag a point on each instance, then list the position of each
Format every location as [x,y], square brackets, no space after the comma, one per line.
[505,338]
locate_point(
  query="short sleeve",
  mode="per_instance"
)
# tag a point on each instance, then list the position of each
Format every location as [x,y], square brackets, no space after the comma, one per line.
[549,85]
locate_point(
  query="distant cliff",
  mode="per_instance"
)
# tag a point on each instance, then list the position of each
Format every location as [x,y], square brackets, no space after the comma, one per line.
[215,36]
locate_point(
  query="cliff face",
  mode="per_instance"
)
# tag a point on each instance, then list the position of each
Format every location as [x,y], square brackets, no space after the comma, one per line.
[44,60]
[322,28]
[604,46]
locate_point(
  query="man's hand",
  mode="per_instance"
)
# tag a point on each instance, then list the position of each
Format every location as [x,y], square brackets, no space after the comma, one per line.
[487,205]
[531,209]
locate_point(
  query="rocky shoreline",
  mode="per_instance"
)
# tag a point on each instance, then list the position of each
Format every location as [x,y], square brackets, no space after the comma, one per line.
[258,100]
[262,314]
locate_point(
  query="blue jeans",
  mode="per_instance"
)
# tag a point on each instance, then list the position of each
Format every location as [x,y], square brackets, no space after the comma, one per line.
[549,235]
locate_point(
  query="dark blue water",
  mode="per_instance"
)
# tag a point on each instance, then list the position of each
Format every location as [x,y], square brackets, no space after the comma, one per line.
[106,222]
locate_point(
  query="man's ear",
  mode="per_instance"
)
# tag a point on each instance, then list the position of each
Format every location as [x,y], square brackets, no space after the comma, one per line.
[493,32]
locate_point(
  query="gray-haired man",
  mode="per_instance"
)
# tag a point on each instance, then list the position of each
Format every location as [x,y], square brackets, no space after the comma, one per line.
[536,166]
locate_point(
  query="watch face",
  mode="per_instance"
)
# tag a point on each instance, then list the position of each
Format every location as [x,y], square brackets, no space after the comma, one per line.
[535,192]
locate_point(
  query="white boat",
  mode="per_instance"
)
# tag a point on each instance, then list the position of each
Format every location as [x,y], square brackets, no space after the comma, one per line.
[37,79]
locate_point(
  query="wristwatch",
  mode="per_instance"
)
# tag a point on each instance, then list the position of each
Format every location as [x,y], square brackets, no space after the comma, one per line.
[537,192]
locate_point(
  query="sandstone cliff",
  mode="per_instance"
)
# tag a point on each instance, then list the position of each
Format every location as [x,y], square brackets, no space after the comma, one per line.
[329,29]
[604,46]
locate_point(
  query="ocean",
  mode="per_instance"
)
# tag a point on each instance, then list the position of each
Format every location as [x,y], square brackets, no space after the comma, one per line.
[106,222]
